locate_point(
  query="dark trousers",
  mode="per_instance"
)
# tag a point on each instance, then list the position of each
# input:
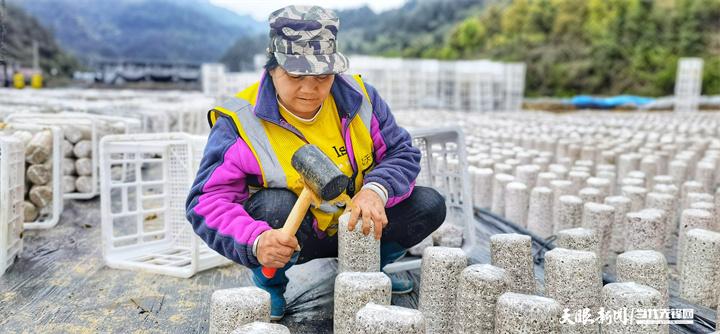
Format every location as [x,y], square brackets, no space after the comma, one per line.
[409,222]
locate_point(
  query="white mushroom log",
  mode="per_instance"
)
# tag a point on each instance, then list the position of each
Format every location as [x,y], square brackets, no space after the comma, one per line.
[39,174]
[69,183]
[31,212]
[68,166]
[24,136]
[39,148]
[83,149]
[75,134]
[83,167]
[41,196]
[83,184]
[67,148]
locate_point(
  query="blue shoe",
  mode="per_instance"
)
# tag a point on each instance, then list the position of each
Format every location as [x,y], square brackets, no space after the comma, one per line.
[401,285]
[389,253]
[275,287]
[277,298]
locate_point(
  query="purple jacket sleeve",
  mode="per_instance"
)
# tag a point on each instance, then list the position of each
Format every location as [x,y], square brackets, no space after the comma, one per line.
[398,162]
[214,205]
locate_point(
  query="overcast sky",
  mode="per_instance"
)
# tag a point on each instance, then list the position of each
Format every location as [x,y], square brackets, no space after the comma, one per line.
[261,9]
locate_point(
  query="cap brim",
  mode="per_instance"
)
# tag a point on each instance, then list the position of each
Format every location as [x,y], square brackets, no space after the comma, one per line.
[312,64]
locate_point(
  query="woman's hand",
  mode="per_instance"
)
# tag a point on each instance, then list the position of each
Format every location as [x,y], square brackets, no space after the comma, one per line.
[368,205]
[275,248]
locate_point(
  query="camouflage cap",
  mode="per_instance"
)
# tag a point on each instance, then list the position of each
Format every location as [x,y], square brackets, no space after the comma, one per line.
[304,40]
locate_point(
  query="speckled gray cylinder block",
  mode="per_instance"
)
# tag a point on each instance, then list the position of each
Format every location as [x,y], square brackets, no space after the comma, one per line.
[636,196]
[559,170]
[502,168]
[352,291]
[516,203]
[602,184]
[666,203]
[717,213]
[648,165]
[545,178]
[600,217]
[540,218]
[569,213]
[645,267]
[678,171]
[579,238]
[690,219]
[261,328]
[621,204]
[513,252]
[232,308]
[498,198]
[527,174]
[573,278]
[483,186]
[709,207]
[627,163]
[589,194]
[669,189]
[560,188]
[705,174]
[687,188]
[356,251]
[637,174]
[384,319]
[631,181]
[619,297]
[518,313]
[663,179]
[578,179]
[440,272]
[645,230]
[691,198]
[700,275]
[482,285]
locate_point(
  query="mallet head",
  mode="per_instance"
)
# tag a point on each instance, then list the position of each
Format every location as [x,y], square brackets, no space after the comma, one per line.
[319,172]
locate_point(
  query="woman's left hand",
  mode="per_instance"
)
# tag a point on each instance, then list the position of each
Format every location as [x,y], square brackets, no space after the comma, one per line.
[369,206]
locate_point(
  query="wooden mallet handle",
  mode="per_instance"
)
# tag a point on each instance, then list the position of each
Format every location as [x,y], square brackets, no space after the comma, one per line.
[293,221]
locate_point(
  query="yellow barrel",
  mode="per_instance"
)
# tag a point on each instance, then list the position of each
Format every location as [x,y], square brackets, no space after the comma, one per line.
[19,80]
[36,81]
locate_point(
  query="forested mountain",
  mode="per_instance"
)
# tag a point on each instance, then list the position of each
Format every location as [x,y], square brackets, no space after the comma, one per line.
[175,30]
[21,30]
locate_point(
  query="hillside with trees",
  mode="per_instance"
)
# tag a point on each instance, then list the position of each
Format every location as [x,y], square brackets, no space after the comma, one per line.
[21,30]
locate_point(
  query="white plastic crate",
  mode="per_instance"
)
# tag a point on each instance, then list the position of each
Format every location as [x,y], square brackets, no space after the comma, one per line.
[444,167]
[12,187]
[50,216]
[688,84]
[91,122]
[145,181]
[113,124]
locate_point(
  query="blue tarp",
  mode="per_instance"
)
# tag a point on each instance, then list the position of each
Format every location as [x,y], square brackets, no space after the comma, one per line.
[592,102]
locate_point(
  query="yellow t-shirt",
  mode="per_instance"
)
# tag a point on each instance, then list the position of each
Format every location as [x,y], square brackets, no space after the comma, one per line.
[325,131]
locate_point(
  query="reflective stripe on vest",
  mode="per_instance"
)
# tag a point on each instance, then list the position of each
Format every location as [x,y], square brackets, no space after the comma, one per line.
[252,131]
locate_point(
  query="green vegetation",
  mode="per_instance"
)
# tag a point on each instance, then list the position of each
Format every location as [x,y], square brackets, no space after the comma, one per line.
[595,46]
[414,30]
[21,30]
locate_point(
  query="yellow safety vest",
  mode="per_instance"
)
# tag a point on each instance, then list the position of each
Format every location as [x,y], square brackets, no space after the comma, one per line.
[274,155]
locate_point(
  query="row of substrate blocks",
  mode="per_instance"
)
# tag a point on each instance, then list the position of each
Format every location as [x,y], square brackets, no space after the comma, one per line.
[500,297]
